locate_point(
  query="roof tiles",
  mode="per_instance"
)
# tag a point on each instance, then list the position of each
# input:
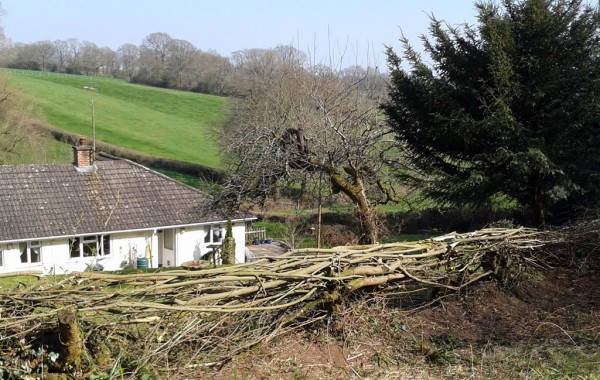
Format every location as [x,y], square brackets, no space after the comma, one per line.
[47,200]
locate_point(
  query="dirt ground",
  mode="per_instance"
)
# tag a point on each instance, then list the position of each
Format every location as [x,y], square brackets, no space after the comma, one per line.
[488,332]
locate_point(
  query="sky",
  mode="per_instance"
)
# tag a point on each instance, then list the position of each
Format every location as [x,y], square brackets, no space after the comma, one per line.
[345,32]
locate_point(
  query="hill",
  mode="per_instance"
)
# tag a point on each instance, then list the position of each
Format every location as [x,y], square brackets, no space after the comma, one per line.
[159,122]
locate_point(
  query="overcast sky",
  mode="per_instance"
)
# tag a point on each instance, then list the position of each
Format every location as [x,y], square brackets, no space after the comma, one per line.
[355,30]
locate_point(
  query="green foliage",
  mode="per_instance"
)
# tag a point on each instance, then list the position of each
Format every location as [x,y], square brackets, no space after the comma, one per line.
[159,122]
[507,109]
[275,230]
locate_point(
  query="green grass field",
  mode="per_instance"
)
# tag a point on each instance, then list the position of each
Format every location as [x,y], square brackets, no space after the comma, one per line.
[164,123]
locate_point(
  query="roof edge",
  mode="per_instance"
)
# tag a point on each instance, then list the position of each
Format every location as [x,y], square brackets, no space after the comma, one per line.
[126,231]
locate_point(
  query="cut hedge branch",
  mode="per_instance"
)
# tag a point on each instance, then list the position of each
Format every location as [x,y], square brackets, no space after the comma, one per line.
[217,310]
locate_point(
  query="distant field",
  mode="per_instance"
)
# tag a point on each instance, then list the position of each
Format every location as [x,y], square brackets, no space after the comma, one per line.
[164,123]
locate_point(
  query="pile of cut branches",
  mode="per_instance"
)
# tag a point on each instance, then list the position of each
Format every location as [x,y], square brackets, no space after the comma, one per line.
[204,317]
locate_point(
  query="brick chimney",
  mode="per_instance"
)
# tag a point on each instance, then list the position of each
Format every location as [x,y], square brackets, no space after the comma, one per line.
[83,156]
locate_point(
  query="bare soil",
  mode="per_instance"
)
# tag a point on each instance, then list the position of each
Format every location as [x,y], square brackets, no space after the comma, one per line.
[489,332]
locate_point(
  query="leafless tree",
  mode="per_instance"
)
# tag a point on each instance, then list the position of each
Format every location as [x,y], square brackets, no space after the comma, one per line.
[90,57]
[61,53]
[297,124]
[180,56]
[44,51]
[73,54]
[211,72]
[25,57]
[156,44]
[108,62]
[4,42]
[153,58]
[127,57]
[35,56]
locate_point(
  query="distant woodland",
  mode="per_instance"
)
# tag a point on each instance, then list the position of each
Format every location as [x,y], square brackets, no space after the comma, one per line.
[159,60]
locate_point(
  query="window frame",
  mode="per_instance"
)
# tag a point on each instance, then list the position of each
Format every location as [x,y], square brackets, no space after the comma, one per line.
[89,246]
[26,248]
[213,234]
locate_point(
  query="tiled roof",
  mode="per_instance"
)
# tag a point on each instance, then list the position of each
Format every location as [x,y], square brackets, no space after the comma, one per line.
[46,200]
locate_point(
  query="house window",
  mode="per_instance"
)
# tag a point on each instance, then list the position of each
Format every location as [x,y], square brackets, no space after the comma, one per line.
[89,246]
[213,234]
[30,252]
[217,234]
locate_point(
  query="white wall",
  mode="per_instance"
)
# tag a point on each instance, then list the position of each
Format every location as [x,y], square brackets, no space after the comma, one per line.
[127,247]
[239,233]
[189,244]
[55,258]
[124,249]
[11,260]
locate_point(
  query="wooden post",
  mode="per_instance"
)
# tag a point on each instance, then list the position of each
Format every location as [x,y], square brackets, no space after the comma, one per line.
[320,210]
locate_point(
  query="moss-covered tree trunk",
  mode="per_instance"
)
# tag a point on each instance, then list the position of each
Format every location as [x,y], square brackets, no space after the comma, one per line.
[228,247]
[356,191]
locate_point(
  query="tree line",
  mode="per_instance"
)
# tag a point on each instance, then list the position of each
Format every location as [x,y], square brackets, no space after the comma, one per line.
[160,61]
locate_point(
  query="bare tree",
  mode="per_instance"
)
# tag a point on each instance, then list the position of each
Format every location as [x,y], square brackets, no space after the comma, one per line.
[127,57]
[108,62]
[210,73]
[90,57]
[25,57]
[35,56]
[153,58]
[73,55]
[4,42]
[44,51]
[180,56]
[156,45]
[61,54]
[299,125]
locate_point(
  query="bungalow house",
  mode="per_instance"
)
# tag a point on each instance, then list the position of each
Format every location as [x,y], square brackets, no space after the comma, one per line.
[104,214]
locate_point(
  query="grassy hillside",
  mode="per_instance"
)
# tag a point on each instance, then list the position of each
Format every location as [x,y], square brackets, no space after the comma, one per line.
[41,150]
[160,122]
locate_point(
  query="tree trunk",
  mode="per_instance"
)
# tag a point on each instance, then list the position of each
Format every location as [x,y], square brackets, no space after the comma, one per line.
[228,251]
[368,225]
[69,339]
[366,214]
[539,217]
[228,247]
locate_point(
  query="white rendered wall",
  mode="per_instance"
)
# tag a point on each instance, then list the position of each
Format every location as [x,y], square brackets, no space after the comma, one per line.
[125,248]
